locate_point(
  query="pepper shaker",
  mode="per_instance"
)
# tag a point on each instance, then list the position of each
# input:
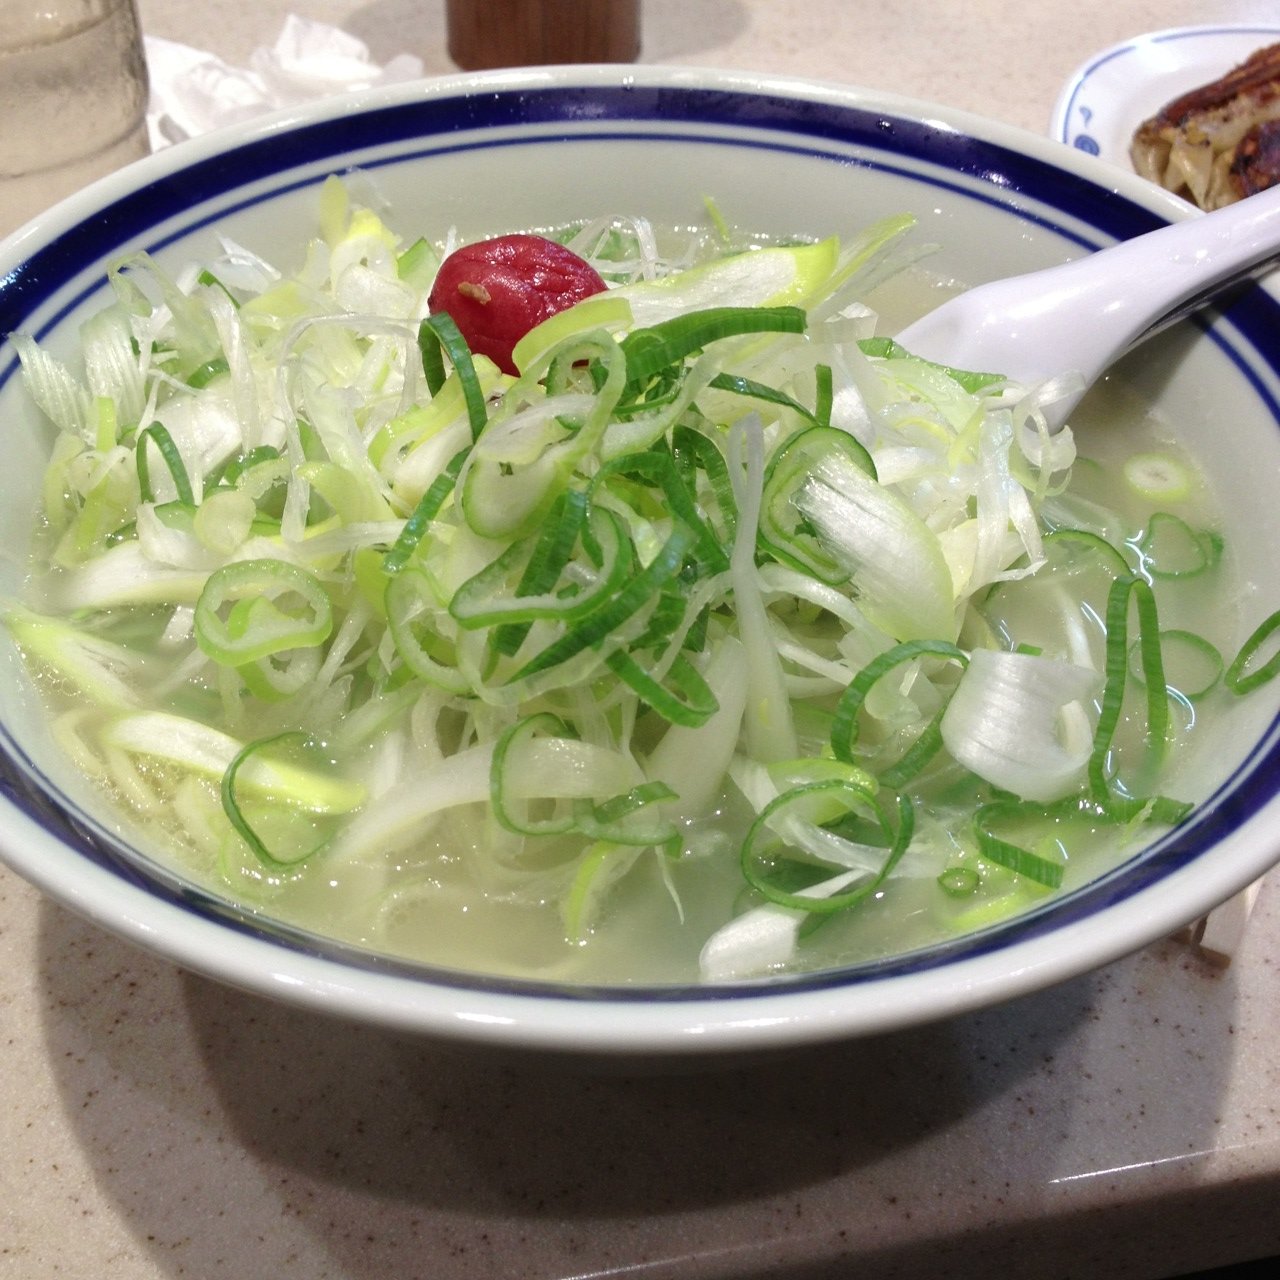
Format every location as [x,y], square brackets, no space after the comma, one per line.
[516,33]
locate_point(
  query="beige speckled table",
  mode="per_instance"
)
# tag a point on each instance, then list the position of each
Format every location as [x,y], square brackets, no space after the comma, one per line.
[1127,1124]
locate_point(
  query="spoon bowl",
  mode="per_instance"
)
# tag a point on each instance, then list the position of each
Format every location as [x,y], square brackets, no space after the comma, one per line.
[1077,319]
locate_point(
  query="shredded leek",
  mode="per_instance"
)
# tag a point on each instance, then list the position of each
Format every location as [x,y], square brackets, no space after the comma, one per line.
[721,576]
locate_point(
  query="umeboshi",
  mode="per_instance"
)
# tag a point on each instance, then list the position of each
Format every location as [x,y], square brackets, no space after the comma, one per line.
[497,290]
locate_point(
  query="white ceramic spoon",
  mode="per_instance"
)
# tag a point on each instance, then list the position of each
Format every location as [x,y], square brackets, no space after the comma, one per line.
[1087,313]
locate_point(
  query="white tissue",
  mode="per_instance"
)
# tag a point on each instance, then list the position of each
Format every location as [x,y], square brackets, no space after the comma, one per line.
[193,91]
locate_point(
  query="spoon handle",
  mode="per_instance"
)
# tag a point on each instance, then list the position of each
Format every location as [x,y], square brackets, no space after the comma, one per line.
[1086,313]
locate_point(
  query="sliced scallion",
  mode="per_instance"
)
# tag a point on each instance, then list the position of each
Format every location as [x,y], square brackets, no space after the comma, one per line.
[1171,548]
[1192,665]
[410,606]
[768,854]
[688,700]
[1013,857]
[437,332]
[296,834]
[844,725]
[1124,590]
[959,882]
[889,349]
[649,351]
[1245,672]
[429,506]
[252,609]
[158,435]
[784,530]
[599,624]
[1158,477]
[511,812]
[206,373]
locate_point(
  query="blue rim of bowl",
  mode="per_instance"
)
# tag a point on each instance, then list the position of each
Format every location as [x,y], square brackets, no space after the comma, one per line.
[811,126]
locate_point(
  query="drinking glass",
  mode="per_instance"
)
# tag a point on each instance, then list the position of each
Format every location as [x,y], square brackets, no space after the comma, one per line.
[73,99]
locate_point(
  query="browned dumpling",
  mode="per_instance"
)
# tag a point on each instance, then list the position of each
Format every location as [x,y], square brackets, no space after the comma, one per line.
[1220,142]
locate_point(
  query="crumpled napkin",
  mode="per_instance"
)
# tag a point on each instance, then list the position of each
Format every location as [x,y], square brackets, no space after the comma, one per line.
[193,92]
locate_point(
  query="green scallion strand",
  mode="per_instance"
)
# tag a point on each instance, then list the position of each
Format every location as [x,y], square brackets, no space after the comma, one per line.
[439,331]
[229,474]
[515,818]
[888,349]
[688,702]
[650,351]
[612,613]
[1117,664]
[619,807]
[210,281]
[844,725]
[158,435]
[766,394]
[759,858]
[1171,548]
[236,815]
[1183,648]
[1239,679]
[429,506]
[206,373]
[658,466]
[238,617]
[667,615]
[623,820]
[958,882]
[824,400]
[1013,857]
[551,554]
[693,451]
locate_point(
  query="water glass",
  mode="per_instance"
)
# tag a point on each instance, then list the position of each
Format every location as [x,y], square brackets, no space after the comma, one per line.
[73,99]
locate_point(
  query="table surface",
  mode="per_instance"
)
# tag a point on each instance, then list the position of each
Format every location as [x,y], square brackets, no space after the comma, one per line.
[156,1125]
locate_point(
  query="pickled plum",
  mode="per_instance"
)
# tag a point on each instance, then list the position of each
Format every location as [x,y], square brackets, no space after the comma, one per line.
[496,290]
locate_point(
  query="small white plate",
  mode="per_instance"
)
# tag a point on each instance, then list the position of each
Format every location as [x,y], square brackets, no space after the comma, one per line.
[1112,93]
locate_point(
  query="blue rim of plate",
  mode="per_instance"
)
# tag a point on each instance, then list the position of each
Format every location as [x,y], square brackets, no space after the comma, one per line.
[1067,106]
[815,128]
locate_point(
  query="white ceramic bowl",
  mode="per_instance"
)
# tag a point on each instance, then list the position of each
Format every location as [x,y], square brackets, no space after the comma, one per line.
[542,147]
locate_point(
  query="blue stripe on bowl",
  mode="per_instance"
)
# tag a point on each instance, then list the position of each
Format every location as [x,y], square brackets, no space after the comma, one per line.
[206,191]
